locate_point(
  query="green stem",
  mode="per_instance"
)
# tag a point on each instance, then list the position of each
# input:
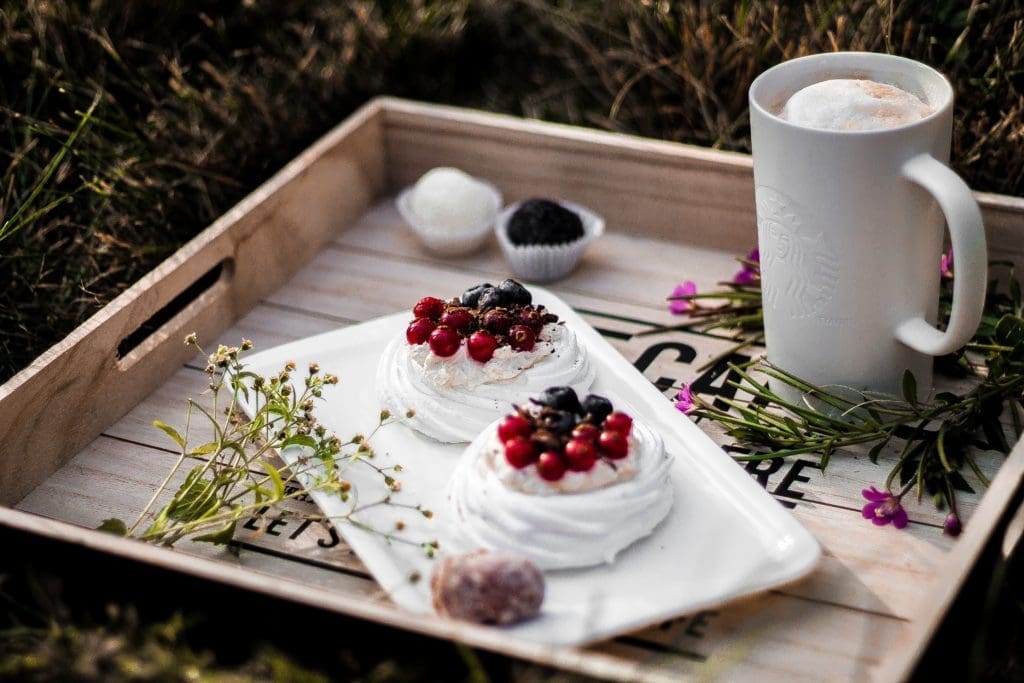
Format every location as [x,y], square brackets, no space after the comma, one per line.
[170,474]
[14,223]
[977,470]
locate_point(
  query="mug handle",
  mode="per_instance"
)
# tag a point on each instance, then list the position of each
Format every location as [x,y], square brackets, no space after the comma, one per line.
[969,251]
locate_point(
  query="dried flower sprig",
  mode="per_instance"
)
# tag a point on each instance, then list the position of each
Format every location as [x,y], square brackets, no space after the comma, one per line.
[239,475]
[932,439]
[738,307]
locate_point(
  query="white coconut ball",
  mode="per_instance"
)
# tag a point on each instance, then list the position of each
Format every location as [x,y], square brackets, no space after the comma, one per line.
[448,199]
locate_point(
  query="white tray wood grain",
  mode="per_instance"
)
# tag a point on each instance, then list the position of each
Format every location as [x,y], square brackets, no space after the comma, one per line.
[320,246]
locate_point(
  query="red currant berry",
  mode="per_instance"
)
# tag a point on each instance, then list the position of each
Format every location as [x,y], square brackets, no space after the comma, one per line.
[532,318]
[419,330]
[429,307]
[444,341]
[521,338]
[613,444]
[550,466]
[457,318]
[519,452]
[512,426]
[580,455]
[619,422]
[481,345]
[585,430]
[497,320]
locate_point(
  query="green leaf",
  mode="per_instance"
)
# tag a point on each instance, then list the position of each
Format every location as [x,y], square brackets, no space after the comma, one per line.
[115,526]
[275,477]
[993,430]
[940,448]
[195,499]
[876,451]
[157,526]
[909,388]
[987,327]
[1009,331]
[220,537]
[237,448]
[792,426]
[256,424]
[276,408]
[205,449]
[908,470]
[170,431]
[218,432]
[299,440]
[826,455]
[260,493]
[959,483]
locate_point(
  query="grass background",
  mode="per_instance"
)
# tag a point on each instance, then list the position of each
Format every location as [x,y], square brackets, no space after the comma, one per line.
[126,127]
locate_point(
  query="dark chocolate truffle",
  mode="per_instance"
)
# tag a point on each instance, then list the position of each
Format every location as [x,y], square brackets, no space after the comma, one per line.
[542,221]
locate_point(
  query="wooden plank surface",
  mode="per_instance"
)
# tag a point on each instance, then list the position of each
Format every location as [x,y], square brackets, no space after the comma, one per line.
[838,621]
[668,191]
[673,214]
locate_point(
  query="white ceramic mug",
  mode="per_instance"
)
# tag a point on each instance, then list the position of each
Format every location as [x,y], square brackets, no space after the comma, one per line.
[850,231]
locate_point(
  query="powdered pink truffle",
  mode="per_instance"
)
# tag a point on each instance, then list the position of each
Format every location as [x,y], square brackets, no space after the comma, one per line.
[487,587]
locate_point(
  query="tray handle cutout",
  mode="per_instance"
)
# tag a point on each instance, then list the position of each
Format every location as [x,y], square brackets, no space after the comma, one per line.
[185,306]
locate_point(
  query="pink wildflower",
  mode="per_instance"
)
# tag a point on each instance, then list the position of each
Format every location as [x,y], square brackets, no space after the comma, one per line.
[685,402]
[748,273]
[946,265]
[680,306]
[883,508]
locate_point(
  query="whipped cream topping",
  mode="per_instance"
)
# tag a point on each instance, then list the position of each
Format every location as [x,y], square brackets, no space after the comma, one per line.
[455,398]
[554,528]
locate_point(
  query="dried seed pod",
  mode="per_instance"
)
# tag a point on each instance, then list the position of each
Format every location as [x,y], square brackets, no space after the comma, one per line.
[487,587]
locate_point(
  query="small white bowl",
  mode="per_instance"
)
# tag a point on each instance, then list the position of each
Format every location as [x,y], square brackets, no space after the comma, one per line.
[547,262]
[447,242]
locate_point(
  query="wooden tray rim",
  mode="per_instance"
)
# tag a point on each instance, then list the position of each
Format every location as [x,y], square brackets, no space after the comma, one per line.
[898,665]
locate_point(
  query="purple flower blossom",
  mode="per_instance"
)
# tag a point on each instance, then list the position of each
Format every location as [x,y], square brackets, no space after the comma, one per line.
[946,265]
[883,508]
[748,273]
[680,306]
[952,526]
[685,402]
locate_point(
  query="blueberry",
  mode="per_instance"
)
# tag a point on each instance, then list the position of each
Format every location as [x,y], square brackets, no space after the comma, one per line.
[542,221]
[515,292]
[558,421]
[559,398]
[472,295]
[598,407]
[491,297]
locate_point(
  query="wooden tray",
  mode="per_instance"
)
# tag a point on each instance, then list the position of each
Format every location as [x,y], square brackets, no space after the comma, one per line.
[320,245]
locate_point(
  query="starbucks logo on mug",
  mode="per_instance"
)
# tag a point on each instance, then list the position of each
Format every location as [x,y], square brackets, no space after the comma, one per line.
[800,267]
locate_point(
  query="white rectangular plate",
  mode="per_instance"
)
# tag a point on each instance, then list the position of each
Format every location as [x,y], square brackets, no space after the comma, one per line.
[724,538]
